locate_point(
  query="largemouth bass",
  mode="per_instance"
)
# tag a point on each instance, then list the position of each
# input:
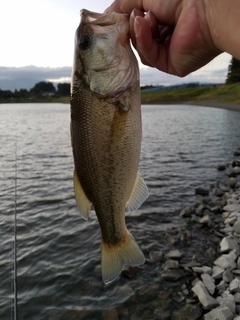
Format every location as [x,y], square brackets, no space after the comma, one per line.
[106,134]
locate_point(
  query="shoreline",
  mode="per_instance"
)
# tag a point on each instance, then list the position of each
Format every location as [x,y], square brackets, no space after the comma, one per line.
[216,285]
[213,103]
[204,103]
[216,104]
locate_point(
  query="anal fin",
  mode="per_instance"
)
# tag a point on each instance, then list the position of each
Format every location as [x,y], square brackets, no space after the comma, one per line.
[139,194]
[83,203]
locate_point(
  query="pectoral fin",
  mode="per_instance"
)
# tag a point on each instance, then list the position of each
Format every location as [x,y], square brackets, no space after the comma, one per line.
[138,196]
[82,201]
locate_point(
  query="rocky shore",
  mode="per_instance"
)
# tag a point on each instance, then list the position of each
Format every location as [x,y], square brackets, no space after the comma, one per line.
[216,286]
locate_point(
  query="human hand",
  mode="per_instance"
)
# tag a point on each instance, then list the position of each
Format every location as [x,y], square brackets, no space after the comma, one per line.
[172,36]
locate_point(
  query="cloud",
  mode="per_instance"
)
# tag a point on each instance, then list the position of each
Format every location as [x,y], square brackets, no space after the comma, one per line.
[12,78]
[150,76]
[214,72]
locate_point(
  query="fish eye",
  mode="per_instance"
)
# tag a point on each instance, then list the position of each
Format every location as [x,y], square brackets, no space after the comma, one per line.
[85,42]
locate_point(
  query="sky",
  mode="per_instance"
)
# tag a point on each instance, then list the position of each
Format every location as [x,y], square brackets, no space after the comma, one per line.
[40,33]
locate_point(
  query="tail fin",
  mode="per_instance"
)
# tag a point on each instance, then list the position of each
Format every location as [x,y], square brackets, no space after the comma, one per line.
[115,257]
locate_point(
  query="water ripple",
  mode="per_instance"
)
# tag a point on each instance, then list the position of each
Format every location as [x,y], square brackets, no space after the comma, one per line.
[59,253]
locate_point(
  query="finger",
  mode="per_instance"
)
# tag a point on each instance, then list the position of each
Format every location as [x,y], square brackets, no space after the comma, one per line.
[159,32]
[164,34]
[150,18]
[165,11]
[153,23]
[135,13]
[125,6]
[150,50]
[144,61]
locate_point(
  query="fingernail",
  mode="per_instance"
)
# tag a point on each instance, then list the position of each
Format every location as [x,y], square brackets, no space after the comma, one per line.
[136,26]
[133,14]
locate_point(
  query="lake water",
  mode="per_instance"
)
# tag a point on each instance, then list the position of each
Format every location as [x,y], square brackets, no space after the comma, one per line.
[58,252]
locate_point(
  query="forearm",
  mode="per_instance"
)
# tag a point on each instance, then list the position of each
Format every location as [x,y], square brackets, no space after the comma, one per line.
[224,24]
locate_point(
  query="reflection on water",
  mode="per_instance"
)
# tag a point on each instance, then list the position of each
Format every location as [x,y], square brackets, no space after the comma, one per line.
[59,274]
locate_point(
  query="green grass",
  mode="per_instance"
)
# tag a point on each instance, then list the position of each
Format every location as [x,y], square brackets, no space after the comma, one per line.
[227,93]
[38,100]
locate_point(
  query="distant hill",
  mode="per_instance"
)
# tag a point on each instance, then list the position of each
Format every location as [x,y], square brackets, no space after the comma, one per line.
[12,78]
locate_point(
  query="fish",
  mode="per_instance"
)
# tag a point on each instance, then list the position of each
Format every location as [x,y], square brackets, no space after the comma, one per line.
[106,133]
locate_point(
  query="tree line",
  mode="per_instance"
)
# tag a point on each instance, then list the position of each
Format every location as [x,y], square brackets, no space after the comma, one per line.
[233,71]
[41,89]
[47,89]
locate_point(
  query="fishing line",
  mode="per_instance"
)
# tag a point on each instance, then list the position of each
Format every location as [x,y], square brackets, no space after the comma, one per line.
[15,309]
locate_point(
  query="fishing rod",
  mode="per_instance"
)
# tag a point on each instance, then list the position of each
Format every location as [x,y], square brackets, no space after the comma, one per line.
[15,308]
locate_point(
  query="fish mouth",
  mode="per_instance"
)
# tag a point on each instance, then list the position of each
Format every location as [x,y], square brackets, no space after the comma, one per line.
[102,19]
[99,21]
